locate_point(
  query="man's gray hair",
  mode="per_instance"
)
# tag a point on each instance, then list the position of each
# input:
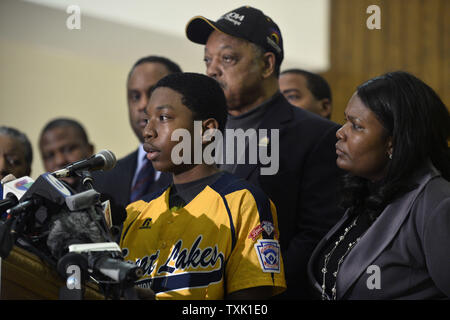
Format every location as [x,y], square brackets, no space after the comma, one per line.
[22,138]
[259,52]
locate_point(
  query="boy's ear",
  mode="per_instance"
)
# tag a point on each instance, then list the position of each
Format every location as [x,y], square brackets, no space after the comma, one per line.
[209,126]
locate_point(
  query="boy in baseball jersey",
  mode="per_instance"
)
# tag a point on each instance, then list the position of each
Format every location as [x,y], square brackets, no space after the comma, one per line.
[209,235]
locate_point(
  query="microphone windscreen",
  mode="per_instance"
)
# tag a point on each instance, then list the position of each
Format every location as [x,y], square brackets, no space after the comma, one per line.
[109,157]
[72,228]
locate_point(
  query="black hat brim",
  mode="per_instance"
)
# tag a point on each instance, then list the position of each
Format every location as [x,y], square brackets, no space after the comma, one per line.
[199,28]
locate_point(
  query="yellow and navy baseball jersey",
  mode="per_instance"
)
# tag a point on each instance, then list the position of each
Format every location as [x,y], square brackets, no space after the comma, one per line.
[224,240]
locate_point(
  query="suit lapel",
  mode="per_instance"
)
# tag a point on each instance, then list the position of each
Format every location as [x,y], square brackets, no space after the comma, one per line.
[276,115]
[377,238]
[127,174]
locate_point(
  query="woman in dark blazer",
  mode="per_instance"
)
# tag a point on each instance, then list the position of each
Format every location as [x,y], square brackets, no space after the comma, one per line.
[394,239]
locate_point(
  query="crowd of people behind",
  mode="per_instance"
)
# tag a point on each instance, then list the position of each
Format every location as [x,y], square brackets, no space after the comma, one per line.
[355,211]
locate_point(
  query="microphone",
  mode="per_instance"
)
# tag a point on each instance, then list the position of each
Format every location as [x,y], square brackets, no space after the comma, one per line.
[9,201]
[104,160]
[50,218]
[83,200]
[99,258]
[74,238]
[13,190]
[75,227]
[39,200]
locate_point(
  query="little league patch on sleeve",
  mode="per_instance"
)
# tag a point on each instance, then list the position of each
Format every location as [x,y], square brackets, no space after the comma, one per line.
[268,252]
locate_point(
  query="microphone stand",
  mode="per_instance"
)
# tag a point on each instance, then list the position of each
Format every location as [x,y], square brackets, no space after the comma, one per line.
[86,178]
[125,288]
[87,181]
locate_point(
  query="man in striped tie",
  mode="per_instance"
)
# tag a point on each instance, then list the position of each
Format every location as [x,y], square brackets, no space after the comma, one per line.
[143,180]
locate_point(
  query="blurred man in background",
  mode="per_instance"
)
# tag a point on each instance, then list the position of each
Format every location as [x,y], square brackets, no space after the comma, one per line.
[63,141]
[306,90]
[16,153]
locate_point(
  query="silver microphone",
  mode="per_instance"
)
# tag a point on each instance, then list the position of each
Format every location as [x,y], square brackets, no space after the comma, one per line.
[104,160]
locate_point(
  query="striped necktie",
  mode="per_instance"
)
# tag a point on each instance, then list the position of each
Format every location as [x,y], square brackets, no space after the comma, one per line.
[145,178]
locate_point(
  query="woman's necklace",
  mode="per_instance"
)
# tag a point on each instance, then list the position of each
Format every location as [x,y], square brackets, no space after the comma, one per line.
[327,260]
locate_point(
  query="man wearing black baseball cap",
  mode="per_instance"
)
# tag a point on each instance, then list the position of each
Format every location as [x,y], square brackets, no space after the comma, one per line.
[244,52]
[245,22]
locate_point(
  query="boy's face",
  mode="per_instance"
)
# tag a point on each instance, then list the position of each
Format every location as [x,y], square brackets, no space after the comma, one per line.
[165,113]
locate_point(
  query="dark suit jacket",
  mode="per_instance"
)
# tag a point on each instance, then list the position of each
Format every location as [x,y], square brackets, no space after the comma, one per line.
[115,185]
[304,189]
[409,242]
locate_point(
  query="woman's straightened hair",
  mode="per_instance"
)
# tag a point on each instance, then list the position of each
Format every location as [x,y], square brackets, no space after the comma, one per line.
[419,124]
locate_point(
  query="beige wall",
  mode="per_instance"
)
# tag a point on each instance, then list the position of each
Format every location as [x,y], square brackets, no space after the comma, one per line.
[304,23]
[38,85]
[48,71]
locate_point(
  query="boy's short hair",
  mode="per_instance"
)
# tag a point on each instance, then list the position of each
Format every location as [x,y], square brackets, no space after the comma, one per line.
[201,94]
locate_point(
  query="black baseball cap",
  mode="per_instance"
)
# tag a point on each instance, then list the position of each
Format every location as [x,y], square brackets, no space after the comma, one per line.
[245,22]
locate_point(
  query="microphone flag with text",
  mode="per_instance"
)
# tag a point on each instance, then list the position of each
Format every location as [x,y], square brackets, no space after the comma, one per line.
[13,190]
[30,217]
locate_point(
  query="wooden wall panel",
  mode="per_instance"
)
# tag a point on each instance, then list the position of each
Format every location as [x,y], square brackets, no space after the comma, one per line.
[445,51]
[414,37]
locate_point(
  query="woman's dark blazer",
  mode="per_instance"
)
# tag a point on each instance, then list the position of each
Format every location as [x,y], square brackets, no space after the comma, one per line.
[409,242]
